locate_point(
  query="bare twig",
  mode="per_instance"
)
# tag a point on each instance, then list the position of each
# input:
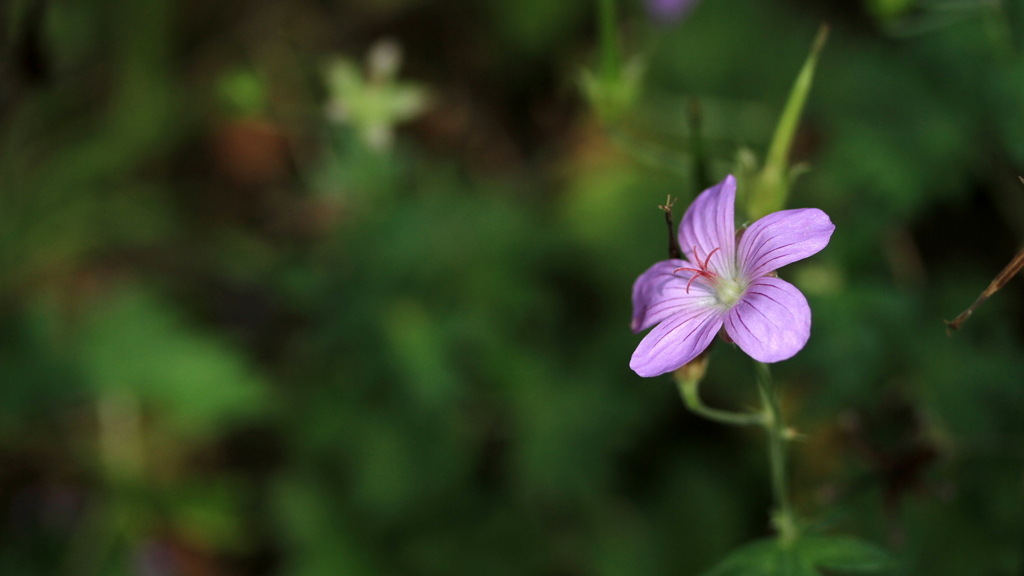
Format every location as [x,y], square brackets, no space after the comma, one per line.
[673,242]
[1009,272]
[1000,280]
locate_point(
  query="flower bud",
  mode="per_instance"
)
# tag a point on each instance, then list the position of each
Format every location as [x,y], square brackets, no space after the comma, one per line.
[694,370]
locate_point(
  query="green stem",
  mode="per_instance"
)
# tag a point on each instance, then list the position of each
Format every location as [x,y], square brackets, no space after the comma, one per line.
[689,390]
[783,516]
[772,186]
[782,140]
[611,54]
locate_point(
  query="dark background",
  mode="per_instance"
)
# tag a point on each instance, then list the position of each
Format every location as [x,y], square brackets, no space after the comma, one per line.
[238,338]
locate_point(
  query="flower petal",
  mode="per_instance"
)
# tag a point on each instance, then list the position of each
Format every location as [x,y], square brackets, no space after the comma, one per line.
[709,223]
[678,339]
[648,290]
[771,321]
[660,292]
[782,238]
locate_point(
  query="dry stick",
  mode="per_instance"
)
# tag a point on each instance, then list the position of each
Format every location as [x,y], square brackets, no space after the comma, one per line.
[673,242]
[1009,272]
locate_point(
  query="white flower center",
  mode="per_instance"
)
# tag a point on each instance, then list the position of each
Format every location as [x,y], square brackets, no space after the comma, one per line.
[729,290]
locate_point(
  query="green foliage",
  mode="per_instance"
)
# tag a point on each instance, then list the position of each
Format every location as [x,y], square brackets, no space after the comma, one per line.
[417,362]
[808,556]
[886,10]
[768,191]
[243,92]
[134,345]
[532,27]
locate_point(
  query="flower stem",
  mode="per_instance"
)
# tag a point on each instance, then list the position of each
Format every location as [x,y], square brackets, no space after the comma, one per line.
[611,53]
[783,516]
[689,390]
[772,185]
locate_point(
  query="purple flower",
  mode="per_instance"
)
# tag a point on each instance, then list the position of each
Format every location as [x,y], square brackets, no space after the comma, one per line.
[669,10]
[727,283]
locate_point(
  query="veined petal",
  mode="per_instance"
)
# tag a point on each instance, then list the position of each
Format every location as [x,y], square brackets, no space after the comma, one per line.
[660,292]
[771,321]
[709,223]
[782,238]
[648,290]
[678,339]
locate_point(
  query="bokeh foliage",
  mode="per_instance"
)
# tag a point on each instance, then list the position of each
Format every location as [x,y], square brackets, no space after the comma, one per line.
[235,338]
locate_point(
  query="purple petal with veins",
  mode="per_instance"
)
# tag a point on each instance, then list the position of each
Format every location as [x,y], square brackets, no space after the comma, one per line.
[709,224]
[782,238]
[771,322]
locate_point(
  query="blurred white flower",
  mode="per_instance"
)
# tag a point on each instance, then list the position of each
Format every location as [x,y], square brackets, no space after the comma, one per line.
[374,103]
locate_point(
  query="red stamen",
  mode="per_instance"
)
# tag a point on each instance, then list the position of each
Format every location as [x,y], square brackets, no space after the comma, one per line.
[702,271]
[692,278]
[710,254]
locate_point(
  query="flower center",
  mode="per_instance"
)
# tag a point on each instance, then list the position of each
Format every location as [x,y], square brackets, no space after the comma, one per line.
[727,290]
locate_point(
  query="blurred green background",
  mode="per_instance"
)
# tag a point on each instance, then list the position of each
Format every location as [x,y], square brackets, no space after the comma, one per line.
[342,287]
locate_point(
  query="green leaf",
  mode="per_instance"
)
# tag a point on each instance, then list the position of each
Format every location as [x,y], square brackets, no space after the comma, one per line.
[772,186]
[137,346]
[208,515]
[762,558]
[844,554]
[613,94]
[243,92]
[807,557]
[318,539]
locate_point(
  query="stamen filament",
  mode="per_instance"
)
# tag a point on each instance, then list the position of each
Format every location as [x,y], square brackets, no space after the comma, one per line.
[702,271]
[710,254]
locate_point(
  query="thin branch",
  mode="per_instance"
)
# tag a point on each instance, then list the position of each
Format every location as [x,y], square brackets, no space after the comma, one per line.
[1000,280]
[1009,272]
[673,242]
